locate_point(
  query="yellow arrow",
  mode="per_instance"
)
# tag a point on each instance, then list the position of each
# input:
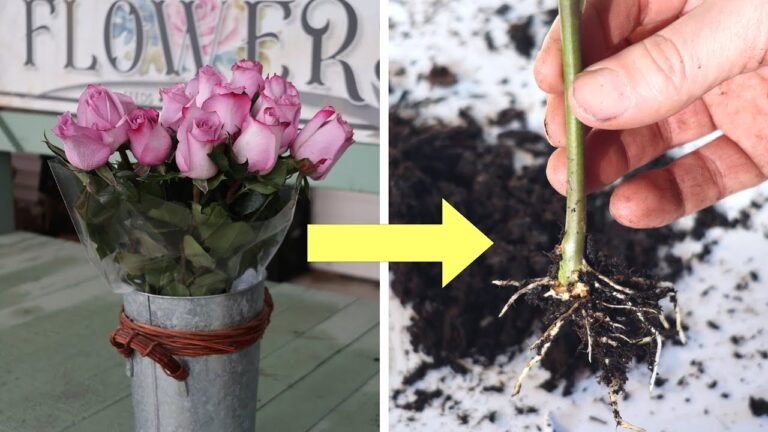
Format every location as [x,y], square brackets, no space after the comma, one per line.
[455,243]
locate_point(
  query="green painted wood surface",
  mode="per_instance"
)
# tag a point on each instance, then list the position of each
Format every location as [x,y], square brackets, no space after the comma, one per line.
[358,412]
[59,373]
[357,170]
[6,194]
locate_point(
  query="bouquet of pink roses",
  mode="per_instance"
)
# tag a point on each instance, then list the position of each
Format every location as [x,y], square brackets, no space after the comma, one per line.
[204,203]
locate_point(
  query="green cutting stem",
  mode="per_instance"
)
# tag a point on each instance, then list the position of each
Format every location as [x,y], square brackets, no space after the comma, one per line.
[572,246]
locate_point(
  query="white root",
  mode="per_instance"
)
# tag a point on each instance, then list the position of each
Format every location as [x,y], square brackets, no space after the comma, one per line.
[655,371]
[606,318]
[660,315]
[537,283]
[614,398]
[615,324]
[537,358]
[527,368]
[610,282]
[589,335]
[644,314]
[503,283]
[555,327]
[622,337]
[678,319]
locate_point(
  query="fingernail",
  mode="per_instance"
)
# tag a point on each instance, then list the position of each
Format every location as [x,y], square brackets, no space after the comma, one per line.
[602,94]
[546,131]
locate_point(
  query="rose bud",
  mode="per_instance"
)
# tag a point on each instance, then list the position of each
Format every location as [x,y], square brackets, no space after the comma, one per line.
[323,140]
[282,96]
[150,142]
[200,88]
[232,105]
[83,146]
[259,142]
[174,100]
[104,110]
[247,73]
[198,134]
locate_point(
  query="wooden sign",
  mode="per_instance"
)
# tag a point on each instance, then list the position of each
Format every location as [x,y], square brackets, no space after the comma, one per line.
[53,48]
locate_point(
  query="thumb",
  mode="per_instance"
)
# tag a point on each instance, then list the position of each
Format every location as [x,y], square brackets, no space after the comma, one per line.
[659,76]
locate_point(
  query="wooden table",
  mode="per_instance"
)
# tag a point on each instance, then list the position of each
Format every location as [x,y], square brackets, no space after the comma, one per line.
[319,366]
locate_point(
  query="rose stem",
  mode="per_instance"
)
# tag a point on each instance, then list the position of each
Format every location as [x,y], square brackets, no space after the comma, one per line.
[195,194]
[125,161]
[572,246]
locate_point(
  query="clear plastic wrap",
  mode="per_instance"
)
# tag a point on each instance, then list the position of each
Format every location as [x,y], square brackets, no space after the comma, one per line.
[142,236]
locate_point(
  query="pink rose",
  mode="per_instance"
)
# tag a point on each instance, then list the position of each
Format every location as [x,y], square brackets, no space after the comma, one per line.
[208,21]
[198,134]
[83,146]
[323,140]
[150,143]
[103,110]
[174,100]
[201,87]
[247,73]
[232,105]
[282,96]
[259,142]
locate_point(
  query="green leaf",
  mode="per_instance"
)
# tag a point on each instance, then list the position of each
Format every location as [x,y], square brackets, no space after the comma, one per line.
[149,188]
[196,254]
[159,177]
[133,263]
[149,247]
[248,202]
[158,278]
[106,174]
[210,184]
[209,219]
[128,190]
[97,208]
[168,211]
[58,151]
[209,284]
[224,158]
[256,185]
[230,239]
[175,289]
[213,182]
[304,182]
[142,170]
[219,156]
[278,174]
[201,184]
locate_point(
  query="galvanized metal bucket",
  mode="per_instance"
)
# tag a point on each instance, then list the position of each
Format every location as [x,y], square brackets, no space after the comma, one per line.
[220,392]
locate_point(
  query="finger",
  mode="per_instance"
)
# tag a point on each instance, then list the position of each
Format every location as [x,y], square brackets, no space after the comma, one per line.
[606,27]
[610,155]
[691,183]
[740,107]
[660,75]
[554,120]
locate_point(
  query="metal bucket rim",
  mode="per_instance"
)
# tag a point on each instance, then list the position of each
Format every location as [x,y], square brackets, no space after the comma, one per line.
[206,297]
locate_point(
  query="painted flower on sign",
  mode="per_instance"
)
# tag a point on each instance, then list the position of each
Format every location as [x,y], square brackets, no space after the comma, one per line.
[218,28]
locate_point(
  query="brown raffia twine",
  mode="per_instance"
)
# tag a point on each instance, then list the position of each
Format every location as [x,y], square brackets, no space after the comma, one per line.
[163,345]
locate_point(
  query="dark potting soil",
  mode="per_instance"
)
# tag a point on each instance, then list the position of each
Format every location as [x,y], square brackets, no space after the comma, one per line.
[758,406]
[441,76]
[523,215]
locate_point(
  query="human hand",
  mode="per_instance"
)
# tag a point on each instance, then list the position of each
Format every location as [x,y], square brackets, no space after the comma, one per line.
[662,73]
